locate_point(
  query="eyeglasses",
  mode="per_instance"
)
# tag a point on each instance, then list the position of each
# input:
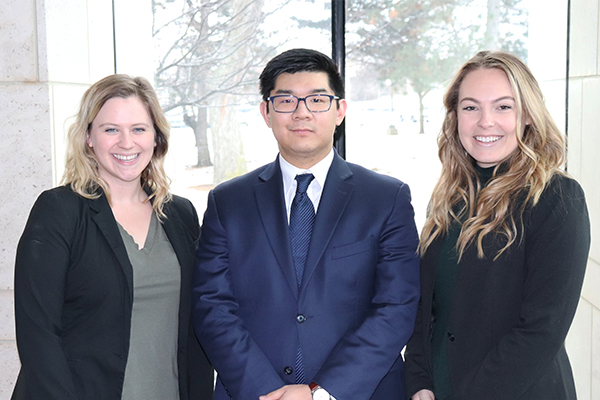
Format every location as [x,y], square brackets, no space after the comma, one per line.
[316,103]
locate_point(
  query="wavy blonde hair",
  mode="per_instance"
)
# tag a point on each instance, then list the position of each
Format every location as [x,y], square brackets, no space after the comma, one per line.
[81,169]
[523,175]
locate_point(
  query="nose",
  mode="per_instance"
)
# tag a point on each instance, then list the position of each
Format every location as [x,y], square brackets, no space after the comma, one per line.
[302,110]
[487,119]
[126,139]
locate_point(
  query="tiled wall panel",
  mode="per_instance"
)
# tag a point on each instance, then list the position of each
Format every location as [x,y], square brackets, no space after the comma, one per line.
[578,347]
[584,38]
[18,41]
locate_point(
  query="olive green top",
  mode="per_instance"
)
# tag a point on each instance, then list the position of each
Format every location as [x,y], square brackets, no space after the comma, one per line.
[151,372]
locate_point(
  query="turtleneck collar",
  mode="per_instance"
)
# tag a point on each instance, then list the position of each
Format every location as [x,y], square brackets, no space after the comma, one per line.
[484,174]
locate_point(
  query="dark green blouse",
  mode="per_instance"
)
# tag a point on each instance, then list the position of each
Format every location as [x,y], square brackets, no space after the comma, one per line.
[446,272]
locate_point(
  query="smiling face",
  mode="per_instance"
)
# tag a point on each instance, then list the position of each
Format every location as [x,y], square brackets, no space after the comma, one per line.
[122,138]
[304,138]
[487,116]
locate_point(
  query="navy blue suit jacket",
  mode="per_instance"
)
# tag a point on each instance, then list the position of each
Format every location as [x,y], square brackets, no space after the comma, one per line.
[357,301]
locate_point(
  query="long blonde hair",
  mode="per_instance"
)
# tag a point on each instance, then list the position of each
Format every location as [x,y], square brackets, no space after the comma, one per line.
[81,169]
[459,196]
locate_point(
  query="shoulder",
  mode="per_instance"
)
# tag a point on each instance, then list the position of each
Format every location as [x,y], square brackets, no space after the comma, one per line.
[239,185]
[181,211]
[252,177]
[372,180]
[57,211]
[563,185]
[562,192]
[61,195]
[562,201]
[59,201]
[180,205]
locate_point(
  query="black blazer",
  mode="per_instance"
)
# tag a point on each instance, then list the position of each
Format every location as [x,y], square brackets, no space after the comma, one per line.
[510,317]
[74,296]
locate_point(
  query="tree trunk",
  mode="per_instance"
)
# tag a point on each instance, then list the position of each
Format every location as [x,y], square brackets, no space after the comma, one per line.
[198,121]
[225,127]
[492,32]
[227,140]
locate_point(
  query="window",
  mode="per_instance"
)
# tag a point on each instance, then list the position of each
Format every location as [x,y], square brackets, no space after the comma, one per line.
[399,55]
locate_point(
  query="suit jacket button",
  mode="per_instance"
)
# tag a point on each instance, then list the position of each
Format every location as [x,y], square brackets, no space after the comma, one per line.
[450,337]
[288,370]
[300,318]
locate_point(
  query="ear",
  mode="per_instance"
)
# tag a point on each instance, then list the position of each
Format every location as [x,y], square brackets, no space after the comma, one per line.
[88,140]
[525,118]
[264,111]
[341,111]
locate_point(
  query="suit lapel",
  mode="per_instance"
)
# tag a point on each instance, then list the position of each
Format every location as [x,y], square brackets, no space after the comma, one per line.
[271,207]
[107,224]
[334,199]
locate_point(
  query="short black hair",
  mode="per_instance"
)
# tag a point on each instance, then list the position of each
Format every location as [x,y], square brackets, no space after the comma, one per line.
[300,60]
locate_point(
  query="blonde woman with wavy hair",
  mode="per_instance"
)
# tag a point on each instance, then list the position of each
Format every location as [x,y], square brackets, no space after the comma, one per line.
[504,246]
[81,169]
[103,268]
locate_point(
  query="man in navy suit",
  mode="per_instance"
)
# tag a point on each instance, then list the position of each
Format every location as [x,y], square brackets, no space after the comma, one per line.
[311,304]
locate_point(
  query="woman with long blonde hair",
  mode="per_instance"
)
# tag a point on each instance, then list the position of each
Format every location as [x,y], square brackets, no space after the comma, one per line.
[103,268]
[504,246]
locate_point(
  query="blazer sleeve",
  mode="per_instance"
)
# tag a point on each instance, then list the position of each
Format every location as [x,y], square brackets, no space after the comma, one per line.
[417,372]
[242,365]
[42,262]
[557,241]
[363,357]
[418,348]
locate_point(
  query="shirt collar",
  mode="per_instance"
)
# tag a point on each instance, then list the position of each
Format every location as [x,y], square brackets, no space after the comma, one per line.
[319,170]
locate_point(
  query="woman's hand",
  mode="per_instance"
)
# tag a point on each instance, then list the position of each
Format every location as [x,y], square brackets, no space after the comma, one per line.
[424,394]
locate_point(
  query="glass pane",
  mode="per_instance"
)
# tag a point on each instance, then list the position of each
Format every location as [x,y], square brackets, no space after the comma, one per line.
[208,59]
[402,53]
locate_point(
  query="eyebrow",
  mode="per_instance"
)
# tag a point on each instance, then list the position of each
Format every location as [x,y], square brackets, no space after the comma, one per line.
[314,91]
[495,101]
[114,124]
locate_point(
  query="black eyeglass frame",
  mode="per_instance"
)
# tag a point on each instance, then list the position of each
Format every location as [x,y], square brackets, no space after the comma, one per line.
[331,99]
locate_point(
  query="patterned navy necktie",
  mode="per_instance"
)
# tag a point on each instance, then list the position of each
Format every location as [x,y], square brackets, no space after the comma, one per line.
[302,218]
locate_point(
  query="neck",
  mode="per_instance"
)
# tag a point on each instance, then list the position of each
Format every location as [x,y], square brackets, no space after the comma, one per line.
[127,192]
[304,162]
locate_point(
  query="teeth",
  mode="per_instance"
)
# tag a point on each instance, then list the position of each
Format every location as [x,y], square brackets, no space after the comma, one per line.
[125,158]
[487,139]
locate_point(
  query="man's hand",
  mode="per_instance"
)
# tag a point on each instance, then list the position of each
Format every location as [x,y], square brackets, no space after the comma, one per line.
[289,392]
[424,394]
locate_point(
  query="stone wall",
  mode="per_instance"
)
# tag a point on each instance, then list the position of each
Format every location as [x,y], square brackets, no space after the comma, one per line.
[49,54]
[583,343]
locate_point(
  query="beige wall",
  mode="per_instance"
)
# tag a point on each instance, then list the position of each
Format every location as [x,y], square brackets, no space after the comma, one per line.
[49,53]
[583,343]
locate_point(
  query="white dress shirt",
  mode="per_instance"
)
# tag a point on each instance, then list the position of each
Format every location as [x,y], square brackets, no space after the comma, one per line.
[315,189]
